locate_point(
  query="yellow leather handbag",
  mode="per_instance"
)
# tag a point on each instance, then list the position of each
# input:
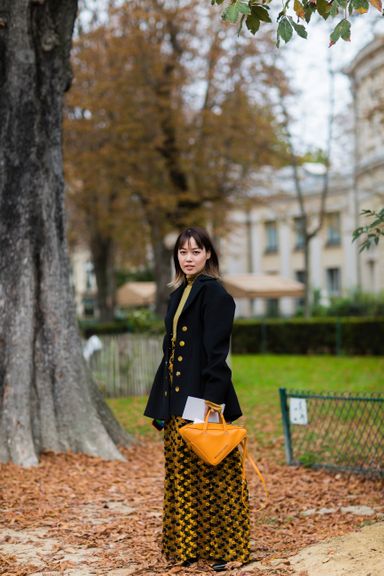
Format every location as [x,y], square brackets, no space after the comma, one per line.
[213,441]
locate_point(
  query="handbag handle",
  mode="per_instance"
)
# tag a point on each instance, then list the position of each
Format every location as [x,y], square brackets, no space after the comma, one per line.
[220,416]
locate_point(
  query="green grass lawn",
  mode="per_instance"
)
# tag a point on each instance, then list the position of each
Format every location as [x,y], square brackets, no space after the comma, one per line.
[257,379]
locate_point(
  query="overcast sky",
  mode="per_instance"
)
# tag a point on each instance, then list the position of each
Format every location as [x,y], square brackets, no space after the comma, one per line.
[308,64]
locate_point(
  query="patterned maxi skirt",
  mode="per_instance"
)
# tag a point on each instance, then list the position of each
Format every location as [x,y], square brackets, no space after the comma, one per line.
[206,513]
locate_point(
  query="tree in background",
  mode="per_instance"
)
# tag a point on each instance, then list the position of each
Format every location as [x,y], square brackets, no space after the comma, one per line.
[102,214]
[311,220]
[165,125]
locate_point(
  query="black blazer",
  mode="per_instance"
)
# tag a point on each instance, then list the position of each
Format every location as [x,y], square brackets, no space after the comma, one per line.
[202,344]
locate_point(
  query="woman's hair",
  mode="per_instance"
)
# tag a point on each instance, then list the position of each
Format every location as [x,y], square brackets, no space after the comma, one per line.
[202,240]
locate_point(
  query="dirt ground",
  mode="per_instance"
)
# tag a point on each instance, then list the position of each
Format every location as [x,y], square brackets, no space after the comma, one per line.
[78,515]
[360,553]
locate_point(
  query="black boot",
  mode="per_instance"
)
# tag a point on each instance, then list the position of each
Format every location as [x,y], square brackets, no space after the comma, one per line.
[189,562]
[219,566]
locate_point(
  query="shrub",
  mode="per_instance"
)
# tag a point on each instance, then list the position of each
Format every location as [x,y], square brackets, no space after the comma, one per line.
[138,320]
[309,336]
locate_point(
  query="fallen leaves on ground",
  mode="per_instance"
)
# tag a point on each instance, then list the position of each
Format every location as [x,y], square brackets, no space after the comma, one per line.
[75,514]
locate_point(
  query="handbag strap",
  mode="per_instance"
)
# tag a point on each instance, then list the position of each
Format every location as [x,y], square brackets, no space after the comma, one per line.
[247,456]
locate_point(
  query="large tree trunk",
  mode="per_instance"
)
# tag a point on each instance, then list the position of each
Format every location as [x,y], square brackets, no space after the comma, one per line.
[48,400]
[162,263]
[102,250]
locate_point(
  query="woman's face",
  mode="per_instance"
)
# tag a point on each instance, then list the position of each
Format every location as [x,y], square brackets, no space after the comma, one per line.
[192,259]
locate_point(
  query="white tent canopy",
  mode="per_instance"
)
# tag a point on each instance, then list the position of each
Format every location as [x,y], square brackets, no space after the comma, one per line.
[262,286]
[238,285]
[136,294]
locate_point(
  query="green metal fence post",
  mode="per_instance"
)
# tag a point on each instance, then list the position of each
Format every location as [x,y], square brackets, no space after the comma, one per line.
[286,426]
[338,337]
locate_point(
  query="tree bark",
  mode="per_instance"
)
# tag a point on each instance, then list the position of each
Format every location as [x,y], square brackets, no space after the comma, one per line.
[162,263]
[102,250]
[48,400]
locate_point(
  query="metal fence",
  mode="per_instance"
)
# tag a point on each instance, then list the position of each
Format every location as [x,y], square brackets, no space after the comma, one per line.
[126,364]
[336,431]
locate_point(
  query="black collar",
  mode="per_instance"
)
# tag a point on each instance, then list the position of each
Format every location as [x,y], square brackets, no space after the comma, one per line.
[175,296]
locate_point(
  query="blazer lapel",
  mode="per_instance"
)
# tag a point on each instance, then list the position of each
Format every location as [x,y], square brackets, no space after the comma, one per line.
[174,300]
[176,297]
[196,287]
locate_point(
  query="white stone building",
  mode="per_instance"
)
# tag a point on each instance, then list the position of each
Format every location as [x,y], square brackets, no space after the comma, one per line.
[266,237]
[366,74]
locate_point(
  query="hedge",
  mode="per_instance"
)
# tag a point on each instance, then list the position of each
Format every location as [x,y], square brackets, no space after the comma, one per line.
[360,336]
[90,327]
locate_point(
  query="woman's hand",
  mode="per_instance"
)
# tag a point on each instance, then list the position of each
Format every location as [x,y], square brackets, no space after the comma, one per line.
[211,406]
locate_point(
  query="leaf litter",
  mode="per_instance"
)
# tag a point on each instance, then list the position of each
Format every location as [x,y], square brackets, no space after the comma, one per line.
[79,515]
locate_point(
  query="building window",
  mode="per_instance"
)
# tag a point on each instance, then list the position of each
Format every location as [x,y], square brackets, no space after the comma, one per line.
[271,237]
[272,307]
[88,307]
[300,277]
[333,281]
[299,233]
[333,229]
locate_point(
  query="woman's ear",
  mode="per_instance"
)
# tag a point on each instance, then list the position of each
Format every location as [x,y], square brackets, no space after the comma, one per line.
[208,254]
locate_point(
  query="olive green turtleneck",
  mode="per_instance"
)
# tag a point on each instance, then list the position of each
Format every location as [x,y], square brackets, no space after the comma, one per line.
[182,302]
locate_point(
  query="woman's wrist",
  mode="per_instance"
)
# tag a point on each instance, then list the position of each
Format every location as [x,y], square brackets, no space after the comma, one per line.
[213,405]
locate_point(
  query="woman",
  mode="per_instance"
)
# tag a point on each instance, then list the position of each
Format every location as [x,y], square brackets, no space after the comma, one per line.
[205,514]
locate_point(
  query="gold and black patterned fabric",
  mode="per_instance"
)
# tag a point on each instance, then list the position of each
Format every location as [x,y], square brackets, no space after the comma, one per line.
[206,515]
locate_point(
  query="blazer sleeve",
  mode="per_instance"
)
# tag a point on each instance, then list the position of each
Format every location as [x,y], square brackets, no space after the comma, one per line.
[218,313]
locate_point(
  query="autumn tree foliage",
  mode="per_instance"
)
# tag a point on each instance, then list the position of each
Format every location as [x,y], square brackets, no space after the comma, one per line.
[166,122]
[295,15]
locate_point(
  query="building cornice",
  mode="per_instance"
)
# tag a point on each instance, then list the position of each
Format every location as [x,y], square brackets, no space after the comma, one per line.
[370,164]
[364,59]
